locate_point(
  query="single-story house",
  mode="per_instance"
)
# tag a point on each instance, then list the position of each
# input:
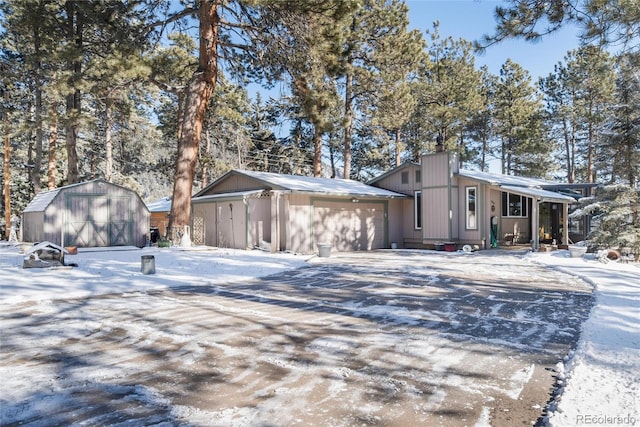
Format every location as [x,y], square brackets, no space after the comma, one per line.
[87,214]
[414,205]
[244,209]
[449,204]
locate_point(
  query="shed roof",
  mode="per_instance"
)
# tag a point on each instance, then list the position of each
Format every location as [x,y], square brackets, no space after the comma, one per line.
[308,184]
[43,199]
[40,202]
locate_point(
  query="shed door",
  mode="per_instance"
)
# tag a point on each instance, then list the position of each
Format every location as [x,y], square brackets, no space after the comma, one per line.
[349,226]
[97,220]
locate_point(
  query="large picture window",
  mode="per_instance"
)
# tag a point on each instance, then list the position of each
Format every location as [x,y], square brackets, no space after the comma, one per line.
[417,210]
[514,205]
[471,193]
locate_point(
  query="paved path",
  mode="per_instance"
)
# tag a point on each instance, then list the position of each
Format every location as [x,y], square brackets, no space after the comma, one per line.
[383,338]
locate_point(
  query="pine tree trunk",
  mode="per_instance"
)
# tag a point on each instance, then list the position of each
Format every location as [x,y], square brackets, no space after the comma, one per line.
[207,152]
[590,156]
[398,146]
[108,166]
[72,126]
[348,125]
[317,152]
[7,170]
[568,152]
[197,94]
[53,142]
[35,172]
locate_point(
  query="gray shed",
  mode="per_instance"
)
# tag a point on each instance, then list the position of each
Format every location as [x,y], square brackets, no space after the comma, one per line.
[89,214]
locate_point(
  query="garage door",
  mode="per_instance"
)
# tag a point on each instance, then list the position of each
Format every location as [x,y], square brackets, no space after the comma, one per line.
[349,226]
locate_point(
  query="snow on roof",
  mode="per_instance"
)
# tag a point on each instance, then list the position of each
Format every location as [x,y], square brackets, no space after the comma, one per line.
[499,179]
[538,193]
[43,199]
[161,205]
[309,184]
[228,196]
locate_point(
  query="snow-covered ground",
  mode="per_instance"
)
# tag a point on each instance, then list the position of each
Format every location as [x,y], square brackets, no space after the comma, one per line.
[601,378]
[118,270]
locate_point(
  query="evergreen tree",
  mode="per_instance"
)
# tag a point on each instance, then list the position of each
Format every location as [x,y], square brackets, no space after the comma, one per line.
[578,95]
[615,210]
[605,22]
[448,92]
[380,56]
[397,57]
[519,125]
[619,150]
[481,126]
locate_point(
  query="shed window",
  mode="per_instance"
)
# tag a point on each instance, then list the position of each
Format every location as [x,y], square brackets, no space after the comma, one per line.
[404,177]
[418,176]
[514,205]
[471,207]
[417,210]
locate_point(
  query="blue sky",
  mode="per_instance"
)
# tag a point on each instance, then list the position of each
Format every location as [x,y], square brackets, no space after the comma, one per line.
[471,19]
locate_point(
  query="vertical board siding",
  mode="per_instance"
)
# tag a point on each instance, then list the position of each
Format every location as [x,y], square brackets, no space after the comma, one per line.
[435,213]
[235,183]
[393,182]
[95,213]
[435,170]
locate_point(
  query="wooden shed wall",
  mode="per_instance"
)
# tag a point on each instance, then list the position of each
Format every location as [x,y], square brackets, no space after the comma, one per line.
[33,227]
[95,213]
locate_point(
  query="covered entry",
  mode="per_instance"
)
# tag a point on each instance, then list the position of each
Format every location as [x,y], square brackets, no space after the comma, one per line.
[358,225]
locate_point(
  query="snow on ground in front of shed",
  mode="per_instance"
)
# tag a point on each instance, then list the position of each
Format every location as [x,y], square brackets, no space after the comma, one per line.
[116,270]
[602,377]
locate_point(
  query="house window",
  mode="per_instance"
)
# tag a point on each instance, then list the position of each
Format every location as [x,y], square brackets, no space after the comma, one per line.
[514,205]
[404,177]
[417,210]
[471,193]
[418,176]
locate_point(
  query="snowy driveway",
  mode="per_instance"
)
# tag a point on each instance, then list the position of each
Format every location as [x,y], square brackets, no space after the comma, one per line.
[383,338]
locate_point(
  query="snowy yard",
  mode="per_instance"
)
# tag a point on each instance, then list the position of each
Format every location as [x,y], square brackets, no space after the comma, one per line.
[382,338]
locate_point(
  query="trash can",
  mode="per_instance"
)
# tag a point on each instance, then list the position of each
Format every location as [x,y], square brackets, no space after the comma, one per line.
[324,250]
[148,264]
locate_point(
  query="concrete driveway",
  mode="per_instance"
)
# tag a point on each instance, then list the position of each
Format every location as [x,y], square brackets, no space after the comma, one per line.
[389,338]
